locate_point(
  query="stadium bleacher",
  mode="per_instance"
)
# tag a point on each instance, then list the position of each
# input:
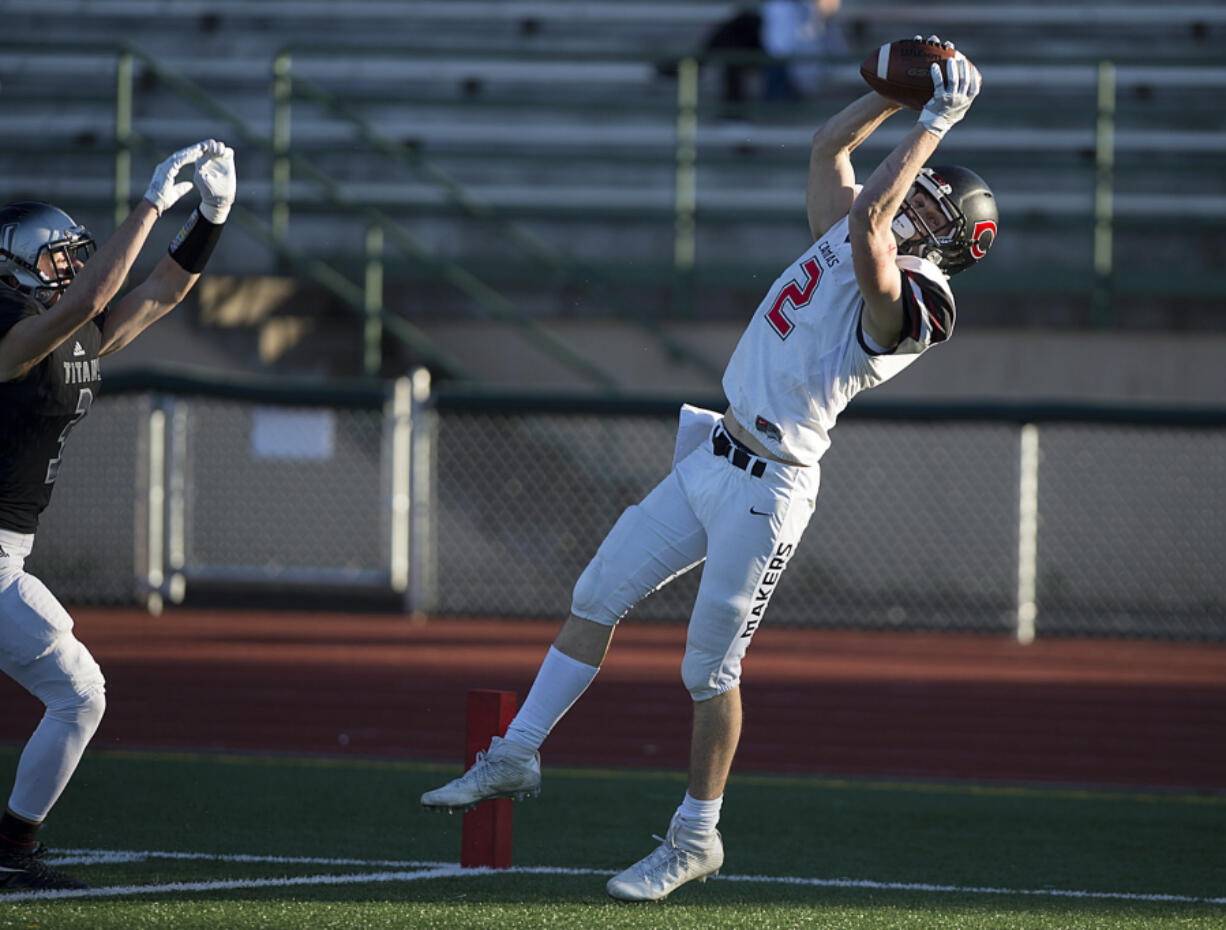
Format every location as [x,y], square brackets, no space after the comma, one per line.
[523,156]
[557,119]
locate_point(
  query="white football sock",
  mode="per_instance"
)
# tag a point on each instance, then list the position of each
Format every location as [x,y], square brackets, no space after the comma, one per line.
[700,816]
[559,683]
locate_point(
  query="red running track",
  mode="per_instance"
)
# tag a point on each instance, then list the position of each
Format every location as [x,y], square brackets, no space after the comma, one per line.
[1103,712]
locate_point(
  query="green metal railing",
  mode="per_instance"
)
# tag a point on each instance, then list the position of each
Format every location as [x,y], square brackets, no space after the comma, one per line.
[685,269]
[1100,279]
[365,301]
[288,88]
[368,301]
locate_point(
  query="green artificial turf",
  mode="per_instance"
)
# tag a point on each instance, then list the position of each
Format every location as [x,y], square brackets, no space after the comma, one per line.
[800,852]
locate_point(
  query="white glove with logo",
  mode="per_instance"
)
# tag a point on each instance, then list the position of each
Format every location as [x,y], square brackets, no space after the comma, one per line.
[163,190]
[217,182]
[951,95]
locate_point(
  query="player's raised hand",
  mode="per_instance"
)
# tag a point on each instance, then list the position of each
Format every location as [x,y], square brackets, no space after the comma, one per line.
[163,190]
[217,182]
[952,93]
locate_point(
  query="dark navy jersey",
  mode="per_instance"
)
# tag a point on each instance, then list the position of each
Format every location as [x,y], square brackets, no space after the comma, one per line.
[38,412]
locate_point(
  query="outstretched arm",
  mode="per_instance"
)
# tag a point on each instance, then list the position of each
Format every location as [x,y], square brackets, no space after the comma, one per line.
[33,338]
[831,186]
[873,245]
[176,274]
[145,304]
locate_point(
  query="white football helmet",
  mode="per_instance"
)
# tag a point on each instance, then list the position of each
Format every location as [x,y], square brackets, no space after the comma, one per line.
[29,230]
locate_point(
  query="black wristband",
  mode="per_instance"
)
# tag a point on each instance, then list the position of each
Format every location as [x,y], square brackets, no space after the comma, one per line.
[194,243]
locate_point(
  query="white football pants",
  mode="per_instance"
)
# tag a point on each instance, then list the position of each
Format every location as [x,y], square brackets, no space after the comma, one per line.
[746,527]
[39,651]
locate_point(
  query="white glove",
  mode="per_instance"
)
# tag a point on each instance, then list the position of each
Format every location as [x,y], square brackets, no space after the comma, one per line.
[163,190]
[950,98]
[216,180]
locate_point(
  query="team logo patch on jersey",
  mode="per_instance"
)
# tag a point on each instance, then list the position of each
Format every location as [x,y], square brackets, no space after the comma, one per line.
[767,428]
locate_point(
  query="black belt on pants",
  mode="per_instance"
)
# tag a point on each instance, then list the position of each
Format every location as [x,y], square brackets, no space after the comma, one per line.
[728,448]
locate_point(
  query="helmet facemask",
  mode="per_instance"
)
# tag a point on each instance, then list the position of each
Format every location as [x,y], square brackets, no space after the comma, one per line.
[916,236]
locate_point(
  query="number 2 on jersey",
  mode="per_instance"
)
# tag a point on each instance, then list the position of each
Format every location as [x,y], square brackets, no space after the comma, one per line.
[796,294]
[84,399]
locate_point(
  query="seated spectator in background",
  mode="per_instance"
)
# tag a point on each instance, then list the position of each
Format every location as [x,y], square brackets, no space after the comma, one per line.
[804,31]
[741,33]
[807,32]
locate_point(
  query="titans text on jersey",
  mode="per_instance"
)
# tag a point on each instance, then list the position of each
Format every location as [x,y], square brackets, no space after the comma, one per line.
[81,372]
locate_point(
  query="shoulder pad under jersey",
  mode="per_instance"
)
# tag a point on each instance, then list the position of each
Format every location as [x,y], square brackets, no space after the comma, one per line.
[927,302]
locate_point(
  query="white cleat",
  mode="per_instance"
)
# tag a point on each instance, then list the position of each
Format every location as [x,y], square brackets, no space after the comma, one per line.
[506,770]
[682,856]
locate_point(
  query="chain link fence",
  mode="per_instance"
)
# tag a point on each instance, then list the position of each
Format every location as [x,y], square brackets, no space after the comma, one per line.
[1132,529]
[163,490]
[282,493]
[89,540]
[917,524]
[922,539]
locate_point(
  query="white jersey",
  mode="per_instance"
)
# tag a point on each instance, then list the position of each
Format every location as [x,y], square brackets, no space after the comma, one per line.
[804,356]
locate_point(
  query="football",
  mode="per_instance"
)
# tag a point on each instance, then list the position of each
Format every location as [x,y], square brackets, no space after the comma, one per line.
[900,71]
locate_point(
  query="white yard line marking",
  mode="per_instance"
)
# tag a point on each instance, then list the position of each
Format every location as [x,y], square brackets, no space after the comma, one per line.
[96,856]
[967,889]
[414,870]
[359,878]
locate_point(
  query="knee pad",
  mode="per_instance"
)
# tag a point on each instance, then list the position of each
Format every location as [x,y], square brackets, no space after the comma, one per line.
[715,643]
[66,679]
[588,601]
[695,674]
[596,596]
[647,548]
[81,712]
[706,676]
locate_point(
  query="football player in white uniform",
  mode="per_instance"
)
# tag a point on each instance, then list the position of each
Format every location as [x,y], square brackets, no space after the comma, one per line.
[55,323]
[864,301]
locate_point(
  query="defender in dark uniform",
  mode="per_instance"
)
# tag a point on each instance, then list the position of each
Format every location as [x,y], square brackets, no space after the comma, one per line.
[38,411]
[56,321]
